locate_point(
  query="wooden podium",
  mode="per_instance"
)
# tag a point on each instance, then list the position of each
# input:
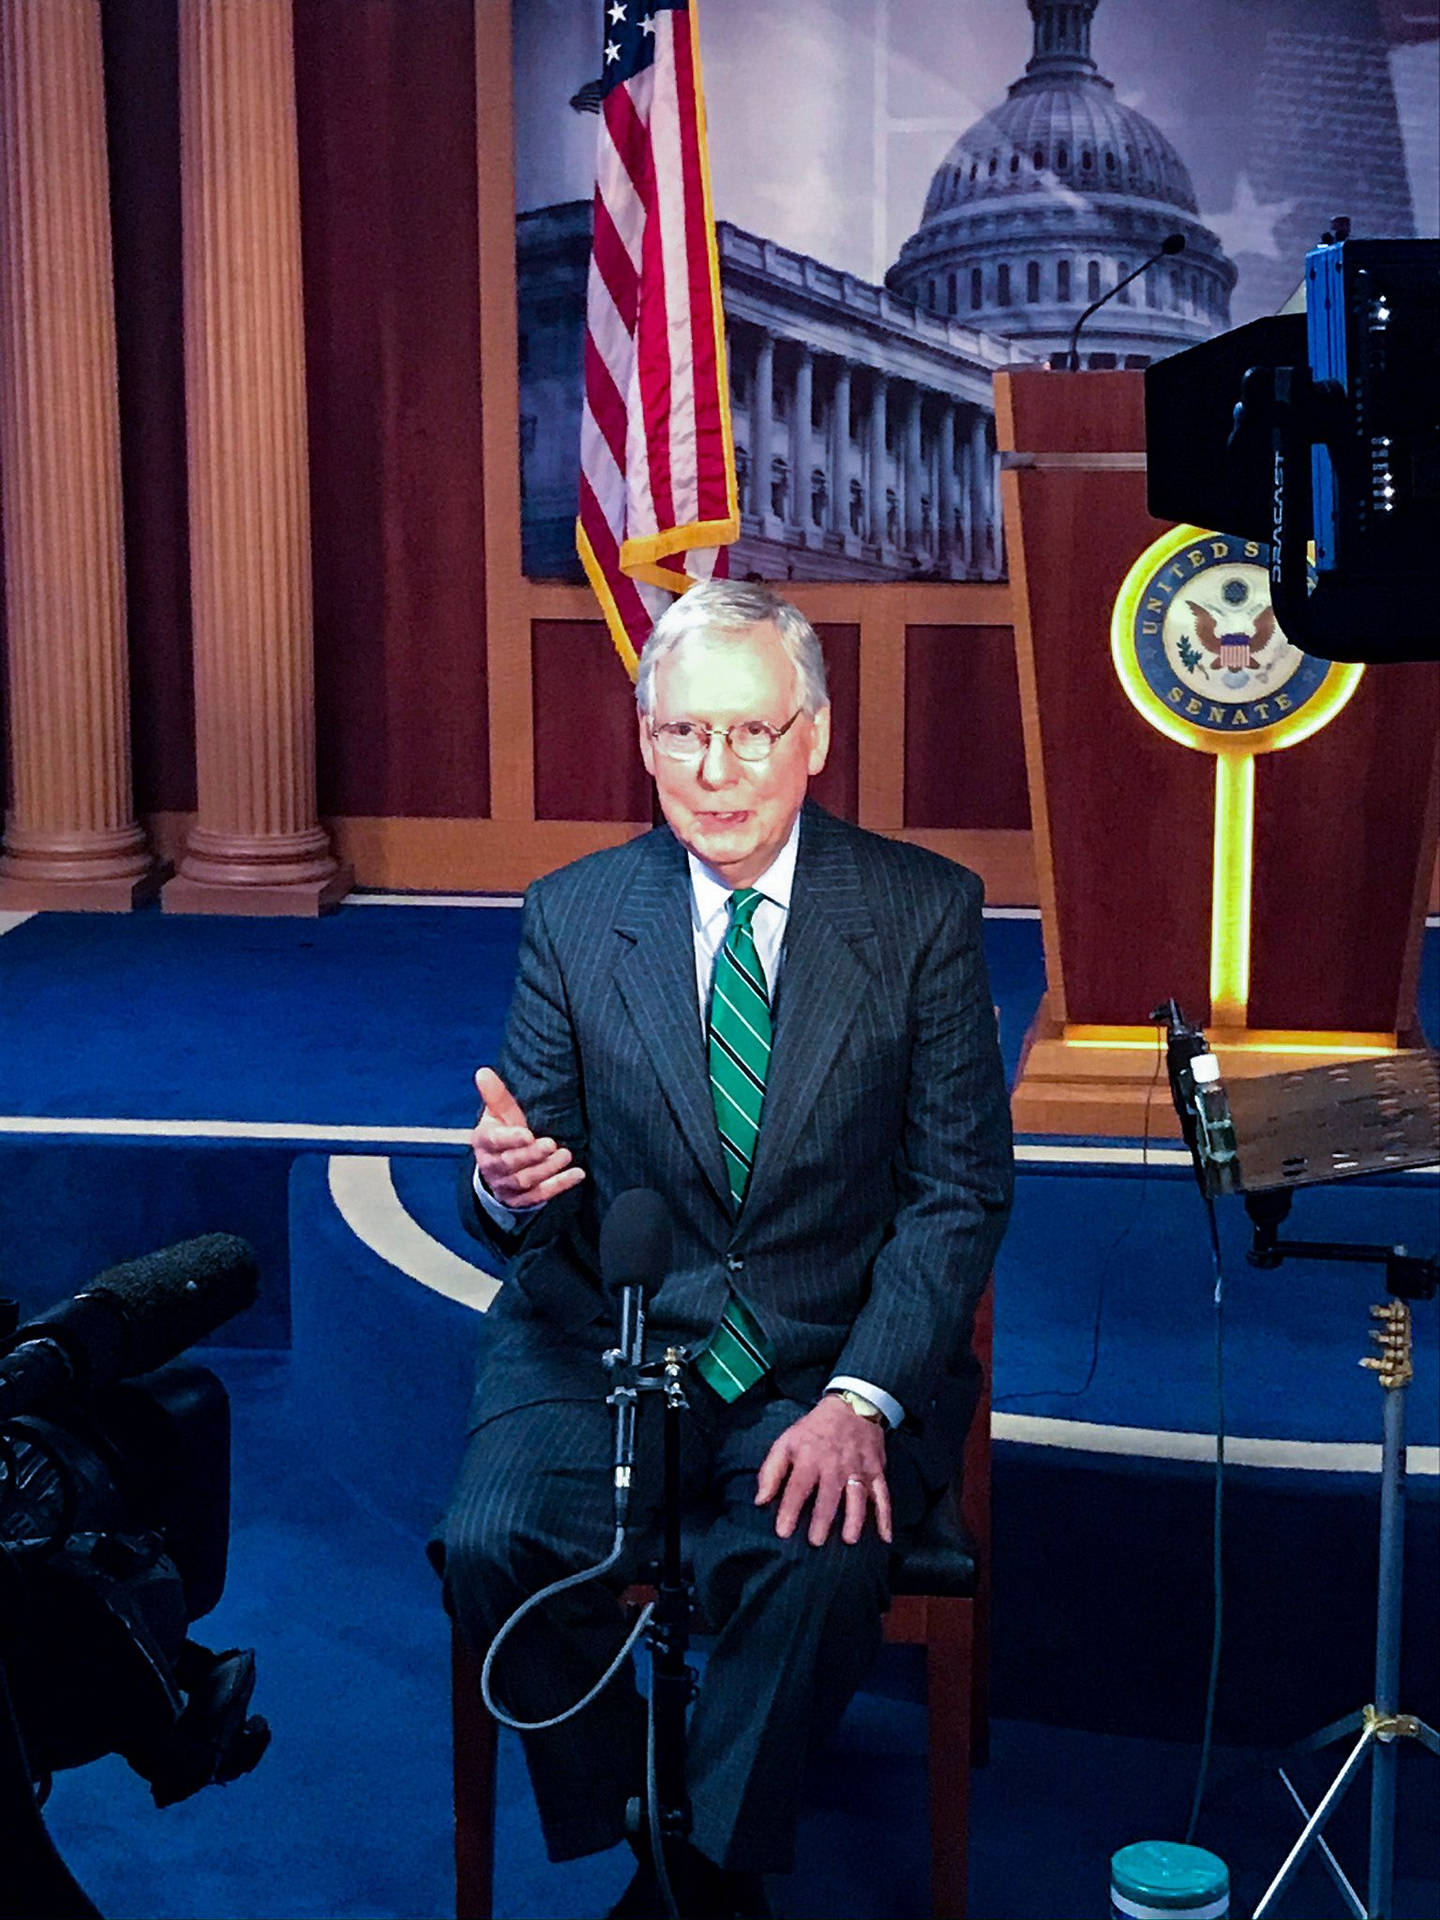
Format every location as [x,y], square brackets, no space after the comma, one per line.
[1290,926]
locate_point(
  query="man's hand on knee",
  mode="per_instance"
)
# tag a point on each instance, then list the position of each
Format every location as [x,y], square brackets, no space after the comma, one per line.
[834,1455]
[519,1170]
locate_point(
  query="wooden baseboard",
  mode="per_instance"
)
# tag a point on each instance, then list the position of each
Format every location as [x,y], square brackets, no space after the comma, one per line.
[480,856]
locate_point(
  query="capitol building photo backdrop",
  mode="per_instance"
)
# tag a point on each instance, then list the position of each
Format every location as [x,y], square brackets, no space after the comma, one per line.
[913,193]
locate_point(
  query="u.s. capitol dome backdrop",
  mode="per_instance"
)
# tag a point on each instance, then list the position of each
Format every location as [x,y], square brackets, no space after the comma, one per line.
[912,193]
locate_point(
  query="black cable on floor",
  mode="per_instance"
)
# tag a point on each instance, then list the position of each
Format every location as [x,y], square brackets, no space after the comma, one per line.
[1217,1572]
[1074,1393]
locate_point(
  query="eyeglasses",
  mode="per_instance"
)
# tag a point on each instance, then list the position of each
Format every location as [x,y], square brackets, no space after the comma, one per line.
[752,740]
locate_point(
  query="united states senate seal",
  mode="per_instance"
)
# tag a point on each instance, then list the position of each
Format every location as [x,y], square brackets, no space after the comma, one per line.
[1202,657]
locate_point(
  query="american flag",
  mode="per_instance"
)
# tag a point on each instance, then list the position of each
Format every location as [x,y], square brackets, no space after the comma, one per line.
[657,465]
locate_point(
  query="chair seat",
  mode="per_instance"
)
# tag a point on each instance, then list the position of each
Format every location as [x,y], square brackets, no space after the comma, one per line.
[943,1563]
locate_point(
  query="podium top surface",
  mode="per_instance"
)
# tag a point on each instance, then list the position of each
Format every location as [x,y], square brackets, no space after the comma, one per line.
[1040,411]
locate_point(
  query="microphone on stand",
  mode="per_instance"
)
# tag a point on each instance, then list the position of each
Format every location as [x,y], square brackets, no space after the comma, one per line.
[130,1319]
[1172,243]
[635,1238]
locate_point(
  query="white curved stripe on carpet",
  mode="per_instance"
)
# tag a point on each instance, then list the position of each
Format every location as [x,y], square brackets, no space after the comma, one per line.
[364,1194]
[1152,1443]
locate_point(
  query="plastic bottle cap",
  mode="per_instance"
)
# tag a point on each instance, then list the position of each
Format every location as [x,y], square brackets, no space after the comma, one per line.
[1162,1876]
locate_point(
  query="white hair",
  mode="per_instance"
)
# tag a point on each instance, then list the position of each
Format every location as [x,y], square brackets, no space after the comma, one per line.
[727,609]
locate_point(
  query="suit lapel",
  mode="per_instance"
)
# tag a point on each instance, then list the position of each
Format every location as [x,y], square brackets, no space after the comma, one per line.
[656,981]
[823,984]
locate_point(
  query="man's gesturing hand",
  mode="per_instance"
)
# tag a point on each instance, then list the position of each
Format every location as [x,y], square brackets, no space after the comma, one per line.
[519,1170]
[834,1454]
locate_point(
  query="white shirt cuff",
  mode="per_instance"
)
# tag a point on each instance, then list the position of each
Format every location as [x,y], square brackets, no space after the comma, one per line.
[890,1409]
[506,1218]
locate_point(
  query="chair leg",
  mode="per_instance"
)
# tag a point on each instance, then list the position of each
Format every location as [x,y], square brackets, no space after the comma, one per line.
[474,1738]
[980,1673]
[948,1683]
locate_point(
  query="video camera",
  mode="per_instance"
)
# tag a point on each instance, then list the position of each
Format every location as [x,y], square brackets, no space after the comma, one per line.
[114,1532]
[1321,426]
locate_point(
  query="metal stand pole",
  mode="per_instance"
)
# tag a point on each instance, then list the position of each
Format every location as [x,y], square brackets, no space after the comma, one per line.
[1381,1725]
[671,1676]
[1387,1654]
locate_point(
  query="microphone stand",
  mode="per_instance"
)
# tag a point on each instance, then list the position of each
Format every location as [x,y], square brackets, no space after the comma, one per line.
[664,1812]
[1381,1725]
[672,1678]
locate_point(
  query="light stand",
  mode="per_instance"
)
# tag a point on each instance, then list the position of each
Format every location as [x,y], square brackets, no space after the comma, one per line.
[1380,1724]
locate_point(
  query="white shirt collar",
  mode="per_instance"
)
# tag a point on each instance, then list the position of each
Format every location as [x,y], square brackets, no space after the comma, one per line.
[711,894]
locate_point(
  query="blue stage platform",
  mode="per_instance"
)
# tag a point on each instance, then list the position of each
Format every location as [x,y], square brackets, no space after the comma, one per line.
[309,1085]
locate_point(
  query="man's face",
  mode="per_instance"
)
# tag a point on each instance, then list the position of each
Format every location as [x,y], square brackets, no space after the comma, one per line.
[730,813]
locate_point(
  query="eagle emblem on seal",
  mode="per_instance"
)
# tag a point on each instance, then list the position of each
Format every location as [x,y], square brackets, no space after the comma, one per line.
[1233,652]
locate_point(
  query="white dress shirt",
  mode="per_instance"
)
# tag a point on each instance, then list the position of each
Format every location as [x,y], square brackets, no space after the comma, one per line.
[710,920]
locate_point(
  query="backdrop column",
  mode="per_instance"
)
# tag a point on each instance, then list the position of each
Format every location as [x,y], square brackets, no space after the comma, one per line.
[762,425]
[839,520]
[945,541]
[802,403]
[982,500]
[256,846]
[71,839]
[912,530]
[876,528]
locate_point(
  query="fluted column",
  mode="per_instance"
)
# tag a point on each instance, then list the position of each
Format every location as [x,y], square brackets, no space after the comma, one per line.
[914,472]
[762,423]
[839,518]
[875,492]
[71,839]
[256,846]
[945,485]
[982,499]
[800,431]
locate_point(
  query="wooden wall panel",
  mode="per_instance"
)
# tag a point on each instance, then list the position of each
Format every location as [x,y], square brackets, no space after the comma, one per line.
[387,124]
[142,101]
[587,766]
[964,748]
[838,787]
[1318,879]
[586,763]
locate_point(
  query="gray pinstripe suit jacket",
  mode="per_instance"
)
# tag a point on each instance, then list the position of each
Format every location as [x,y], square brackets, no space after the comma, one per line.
[883,1173]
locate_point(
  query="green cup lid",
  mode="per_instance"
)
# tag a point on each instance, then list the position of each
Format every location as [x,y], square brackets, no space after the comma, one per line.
[1162,1873]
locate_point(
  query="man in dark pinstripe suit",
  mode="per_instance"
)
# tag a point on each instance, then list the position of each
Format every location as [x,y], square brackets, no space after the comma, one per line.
[852,1244]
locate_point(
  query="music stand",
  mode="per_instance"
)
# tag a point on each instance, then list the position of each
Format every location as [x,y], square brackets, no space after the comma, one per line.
[1307,1128]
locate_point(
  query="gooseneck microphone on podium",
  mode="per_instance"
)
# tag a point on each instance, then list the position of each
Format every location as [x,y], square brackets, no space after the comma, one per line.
[635,1241]
[1172,243]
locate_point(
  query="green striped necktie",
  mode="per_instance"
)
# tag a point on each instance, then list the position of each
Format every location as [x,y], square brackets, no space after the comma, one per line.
[738,1354]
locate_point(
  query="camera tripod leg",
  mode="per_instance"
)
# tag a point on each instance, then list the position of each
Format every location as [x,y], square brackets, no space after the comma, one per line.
[1315,1825]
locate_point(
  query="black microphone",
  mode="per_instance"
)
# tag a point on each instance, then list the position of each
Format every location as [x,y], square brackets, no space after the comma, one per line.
[1172,243]
[130,1319]
[635,1238]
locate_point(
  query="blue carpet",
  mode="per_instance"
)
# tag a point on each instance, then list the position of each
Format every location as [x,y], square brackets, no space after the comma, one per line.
[370,1014]
[348,1814]
[344,1445]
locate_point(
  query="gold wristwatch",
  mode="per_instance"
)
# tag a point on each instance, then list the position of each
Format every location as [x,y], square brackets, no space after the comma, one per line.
[857,1403]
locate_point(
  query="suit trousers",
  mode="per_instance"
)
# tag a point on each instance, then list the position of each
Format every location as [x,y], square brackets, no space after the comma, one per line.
[797,1626]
